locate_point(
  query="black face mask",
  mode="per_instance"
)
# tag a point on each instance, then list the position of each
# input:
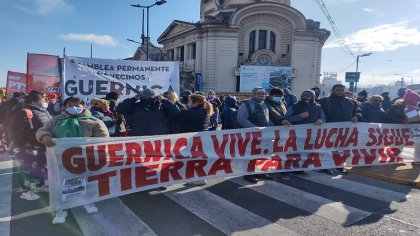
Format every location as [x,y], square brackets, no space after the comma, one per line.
[148,101]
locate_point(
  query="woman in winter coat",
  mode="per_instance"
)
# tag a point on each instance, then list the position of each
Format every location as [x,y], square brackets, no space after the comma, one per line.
[172,97]
[89,126]
[31,154]
[405,110]
[372,110]
[228,114]
[100,109]
[197,117]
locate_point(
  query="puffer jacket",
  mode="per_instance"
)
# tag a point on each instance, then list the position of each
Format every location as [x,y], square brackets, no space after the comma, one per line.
[228,114]
[90,127]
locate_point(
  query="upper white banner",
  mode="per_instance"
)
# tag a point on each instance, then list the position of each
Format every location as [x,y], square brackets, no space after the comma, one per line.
[94,78]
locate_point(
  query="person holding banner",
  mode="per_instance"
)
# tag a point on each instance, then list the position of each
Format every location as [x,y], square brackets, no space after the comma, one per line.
[338,108]
[149,113]
[254,113]
[306,111]
[276,106]
[75,121]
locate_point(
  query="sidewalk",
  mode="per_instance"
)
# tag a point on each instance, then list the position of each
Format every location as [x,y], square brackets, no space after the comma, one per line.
[402,174]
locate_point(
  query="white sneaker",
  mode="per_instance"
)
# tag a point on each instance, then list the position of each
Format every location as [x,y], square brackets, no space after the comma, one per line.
[60,217]
[30,196]
[42,189]
[91,208]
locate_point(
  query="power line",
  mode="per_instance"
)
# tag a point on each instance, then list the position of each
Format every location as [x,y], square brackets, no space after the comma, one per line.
[336,31]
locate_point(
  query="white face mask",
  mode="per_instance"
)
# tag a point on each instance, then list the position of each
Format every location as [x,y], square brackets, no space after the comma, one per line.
[74,111]
[44,106]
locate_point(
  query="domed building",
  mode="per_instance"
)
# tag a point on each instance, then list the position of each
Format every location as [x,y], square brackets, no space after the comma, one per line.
[234,34]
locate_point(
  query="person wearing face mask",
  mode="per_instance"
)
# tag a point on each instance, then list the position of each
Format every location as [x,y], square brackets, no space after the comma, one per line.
[317,93]
[276,106]
[82,124]
[306,111]
[31,154]
[372,110]
[114,100]
[254,113]
[405,110]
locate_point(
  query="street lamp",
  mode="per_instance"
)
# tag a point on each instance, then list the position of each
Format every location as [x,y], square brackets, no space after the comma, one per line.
[161,52]
[357,66]
[157,3]
[409,76]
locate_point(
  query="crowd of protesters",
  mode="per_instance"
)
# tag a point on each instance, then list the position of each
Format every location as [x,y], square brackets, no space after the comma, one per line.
[31,121]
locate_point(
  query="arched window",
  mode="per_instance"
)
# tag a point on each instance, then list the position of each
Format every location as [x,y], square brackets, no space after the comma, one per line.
[252,41]
[262,39]
[273,41]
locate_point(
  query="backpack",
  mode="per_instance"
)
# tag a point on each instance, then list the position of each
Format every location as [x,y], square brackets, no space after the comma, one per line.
[235,115]
[18,128]
[70,127]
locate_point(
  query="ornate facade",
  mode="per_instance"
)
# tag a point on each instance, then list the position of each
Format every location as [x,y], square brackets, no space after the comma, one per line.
[232,33]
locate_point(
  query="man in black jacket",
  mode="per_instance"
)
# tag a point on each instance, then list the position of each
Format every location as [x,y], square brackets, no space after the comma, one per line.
[338,108]
[149,115]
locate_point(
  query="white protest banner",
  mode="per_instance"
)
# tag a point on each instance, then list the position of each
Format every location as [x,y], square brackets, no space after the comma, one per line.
[94,78]
[84,170]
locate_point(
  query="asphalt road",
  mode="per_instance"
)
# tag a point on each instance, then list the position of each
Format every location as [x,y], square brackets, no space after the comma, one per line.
[316,204]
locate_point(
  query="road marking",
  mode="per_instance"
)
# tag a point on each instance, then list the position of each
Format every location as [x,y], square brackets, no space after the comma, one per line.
[355,187]
[334,211]
[222,214]
[113,218]
[5,198]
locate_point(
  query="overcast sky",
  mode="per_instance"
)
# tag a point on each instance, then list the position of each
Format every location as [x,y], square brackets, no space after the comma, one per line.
[388,29]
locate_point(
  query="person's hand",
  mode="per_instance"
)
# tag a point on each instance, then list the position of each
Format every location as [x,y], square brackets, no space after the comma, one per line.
[318,122]
[304,115]
[286,123]
[47,141]
[355,119]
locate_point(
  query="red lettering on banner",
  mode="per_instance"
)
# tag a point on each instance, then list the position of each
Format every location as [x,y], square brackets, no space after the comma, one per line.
[133,151]
[340,159]
[308,145]
[179,145]
[172,169]
[90,155]
[125,179]
[353,139]
[73,164]
[382,157]
[312,159]
[220,148]
[320,140]
[341,137]
[143,174]
[406,135]
[243,143]
[369,157]
[276,147]
[221,165]
[292,159]
[152,152]
[328,142]
[256,141]
[114,159]
[356,157]
[387,139]
[291,141]
[232,145]
[103,182]
[197,148]
[394,155]
[273,164]
[372,137]
[167,149]
[195,166]
[255,162]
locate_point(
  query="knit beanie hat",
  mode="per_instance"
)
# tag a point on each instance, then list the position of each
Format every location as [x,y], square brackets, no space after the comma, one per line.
[308,93]
[363,93]
[411,97]
[100,103]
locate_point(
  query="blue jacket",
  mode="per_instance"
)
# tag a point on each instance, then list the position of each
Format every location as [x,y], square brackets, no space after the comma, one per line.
[229,113]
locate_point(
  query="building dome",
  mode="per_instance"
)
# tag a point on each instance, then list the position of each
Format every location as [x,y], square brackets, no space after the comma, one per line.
[214,7]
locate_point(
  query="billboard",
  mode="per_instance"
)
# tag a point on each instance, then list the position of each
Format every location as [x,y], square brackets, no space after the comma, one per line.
[265,76]
[44,73]
[16,82]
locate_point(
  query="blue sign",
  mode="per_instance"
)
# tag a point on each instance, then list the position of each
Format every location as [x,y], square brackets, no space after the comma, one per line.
[352,77]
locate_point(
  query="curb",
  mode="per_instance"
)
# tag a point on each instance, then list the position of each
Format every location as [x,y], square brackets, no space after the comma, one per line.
[386,178]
